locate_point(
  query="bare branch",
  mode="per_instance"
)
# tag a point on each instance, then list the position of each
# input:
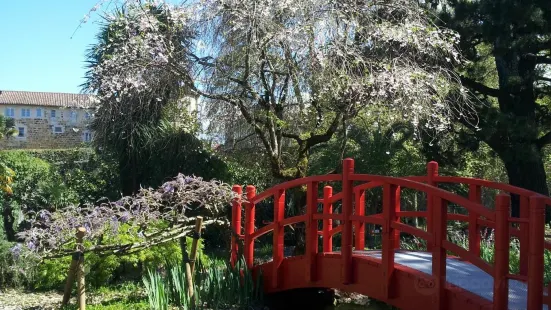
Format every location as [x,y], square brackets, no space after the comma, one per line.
[544,140]
[480,88]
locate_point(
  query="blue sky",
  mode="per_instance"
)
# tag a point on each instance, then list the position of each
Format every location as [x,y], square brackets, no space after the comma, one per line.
[37,52]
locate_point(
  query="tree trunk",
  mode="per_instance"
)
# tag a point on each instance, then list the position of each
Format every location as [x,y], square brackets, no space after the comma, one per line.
[525,169]
[9,220]
[127,175]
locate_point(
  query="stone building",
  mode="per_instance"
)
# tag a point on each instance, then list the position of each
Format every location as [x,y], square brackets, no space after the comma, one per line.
[47,120]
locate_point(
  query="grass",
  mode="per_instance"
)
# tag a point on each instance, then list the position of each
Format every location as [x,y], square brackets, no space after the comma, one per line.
[115,305]
[125,296]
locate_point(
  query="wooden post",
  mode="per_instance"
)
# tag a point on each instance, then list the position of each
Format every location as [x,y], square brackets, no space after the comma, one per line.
[440,209]
[81,286]
[190,264]
[346,243]
[311,231]
[432,173]
[391,203]
[474,231]
[249,227]
[278,237]
[195,243]
[327,223]
[70,279]
[536,251]
[360,225]
[71,274]
[80,270]
[189,280]
[236,224]
[501,252]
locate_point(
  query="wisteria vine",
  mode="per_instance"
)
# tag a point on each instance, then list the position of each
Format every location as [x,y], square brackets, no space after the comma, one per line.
[174,205]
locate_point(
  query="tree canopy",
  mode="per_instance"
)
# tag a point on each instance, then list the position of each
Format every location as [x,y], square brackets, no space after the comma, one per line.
[508,46]
[293,71]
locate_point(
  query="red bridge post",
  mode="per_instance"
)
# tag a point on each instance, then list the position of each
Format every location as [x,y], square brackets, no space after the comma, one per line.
[249,227]
[278,242]
[311,231]
[536,251]
[501,252]
[390,236]
[439,233]
[432,173]
[327,223]
[359,204]
[524,234]
[346,243]
[236,224]
[474,230]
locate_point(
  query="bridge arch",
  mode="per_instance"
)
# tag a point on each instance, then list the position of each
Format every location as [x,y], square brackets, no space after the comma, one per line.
[431,279]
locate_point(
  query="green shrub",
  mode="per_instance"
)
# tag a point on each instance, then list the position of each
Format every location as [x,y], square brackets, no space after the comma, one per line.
[108,269]
[36,185]
[90,174]
[52,274]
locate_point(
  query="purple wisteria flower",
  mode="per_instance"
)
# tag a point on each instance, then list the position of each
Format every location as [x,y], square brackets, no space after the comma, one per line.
[44,215]
[31,245]
[16,250]
[51,233]
[124,217]
[168,188]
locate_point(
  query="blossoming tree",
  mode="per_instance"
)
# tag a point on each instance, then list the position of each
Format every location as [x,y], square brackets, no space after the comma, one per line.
[295,71]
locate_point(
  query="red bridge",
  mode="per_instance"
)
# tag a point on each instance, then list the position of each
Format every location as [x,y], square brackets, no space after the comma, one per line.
[432,279]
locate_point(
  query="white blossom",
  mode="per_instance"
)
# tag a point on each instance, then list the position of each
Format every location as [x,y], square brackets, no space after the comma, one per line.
[344,54]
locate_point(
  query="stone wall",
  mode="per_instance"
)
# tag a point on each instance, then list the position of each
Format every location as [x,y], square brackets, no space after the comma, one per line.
[39,131]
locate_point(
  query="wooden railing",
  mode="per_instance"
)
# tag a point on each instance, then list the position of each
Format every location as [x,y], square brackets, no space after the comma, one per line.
[530,230]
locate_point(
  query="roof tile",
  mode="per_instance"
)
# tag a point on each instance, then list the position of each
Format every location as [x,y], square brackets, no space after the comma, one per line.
[47,99]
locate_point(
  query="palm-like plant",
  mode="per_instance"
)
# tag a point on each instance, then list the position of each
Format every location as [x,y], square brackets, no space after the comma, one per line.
[7,129]
[125,123]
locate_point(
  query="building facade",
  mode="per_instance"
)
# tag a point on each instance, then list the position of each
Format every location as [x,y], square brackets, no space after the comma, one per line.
[47,120]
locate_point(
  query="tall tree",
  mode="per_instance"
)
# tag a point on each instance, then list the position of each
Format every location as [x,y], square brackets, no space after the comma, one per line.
[130,123]
[509,45]
[294,71]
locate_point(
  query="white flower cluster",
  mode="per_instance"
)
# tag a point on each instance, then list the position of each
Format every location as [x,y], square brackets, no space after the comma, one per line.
[284,52]
[140,52]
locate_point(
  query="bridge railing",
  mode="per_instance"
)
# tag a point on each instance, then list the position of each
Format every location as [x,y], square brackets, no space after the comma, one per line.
[530,231]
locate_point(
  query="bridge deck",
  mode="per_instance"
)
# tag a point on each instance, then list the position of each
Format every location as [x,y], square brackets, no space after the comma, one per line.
[459,273]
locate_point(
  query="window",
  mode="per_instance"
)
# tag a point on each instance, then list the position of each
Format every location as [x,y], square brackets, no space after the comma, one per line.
[58,129]
[10,112]
[87,137]
[21,132]
[39,113]
[52,113]
[25,113]
[74,116]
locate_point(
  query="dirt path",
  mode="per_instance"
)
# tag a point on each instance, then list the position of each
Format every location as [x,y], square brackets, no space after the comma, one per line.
[19,300]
